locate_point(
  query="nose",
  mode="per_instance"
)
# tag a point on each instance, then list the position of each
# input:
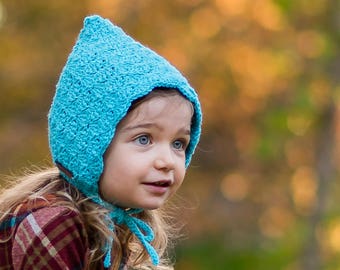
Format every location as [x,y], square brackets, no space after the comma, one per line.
[164,159]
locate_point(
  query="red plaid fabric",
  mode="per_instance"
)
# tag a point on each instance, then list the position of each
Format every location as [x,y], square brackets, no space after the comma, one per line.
[43,237]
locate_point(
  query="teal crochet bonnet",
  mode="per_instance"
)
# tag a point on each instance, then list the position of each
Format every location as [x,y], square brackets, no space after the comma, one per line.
[105,72]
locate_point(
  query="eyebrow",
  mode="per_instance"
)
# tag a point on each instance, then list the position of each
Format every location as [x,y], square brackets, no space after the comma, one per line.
[150,125]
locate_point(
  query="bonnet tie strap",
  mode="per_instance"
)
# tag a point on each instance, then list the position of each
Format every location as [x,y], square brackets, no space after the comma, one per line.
[138,227]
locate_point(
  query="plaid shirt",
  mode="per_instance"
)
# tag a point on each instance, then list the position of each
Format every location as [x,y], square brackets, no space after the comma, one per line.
[43,237]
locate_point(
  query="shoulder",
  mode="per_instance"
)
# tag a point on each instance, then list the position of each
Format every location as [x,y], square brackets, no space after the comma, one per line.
[52,220]
[43,218]
[55,232]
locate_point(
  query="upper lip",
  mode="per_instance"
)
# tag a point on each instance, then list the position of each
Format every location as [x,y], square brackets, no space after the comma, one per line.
[162,183]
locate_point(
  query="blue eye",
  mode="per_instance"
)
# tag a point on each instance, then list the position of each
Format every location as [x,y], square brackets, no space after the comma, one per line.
[178,145]
[143,140]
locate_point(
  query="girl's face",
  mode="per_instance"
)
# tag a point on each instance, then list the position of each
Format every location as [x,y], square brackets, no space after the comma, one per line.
[145,162]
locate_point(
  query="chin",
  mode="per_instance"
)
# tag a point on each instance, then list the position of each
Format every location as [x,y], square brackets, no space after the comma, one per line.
[152,206]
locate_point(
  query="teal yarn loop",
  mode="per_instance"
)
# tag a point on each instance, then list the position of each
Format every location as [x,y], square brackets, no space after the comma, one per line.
[138,227]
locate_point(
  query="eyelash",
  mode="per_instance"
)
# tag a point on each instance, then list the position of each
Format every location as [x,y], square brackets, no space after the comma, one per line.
[138,139]
[183,142]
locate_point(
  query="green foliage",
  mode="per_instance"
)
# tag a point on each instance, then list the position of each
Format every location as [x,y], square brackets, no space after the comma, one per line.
[212,254]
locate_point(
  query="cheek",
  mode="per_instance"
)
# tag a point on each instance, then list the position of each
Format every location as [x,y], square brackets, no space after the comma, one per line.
[180,176]
[179,181]
[116,160]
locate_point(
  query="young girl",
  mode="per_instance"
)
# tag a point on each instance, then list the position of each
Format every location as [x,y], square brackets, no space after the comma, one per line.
[123,126]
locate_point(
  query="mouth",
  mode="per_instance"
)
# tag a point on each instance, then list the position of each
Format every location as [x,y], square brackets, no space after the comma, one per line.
[161,183]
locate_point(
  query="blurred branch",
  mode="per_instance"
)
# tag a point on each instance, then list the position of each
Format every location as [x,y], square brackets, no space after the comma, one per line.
[326,171]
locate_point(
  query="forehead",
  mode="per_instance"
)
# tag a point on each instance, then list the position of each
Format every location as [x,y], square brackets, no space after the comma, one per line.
[173,106]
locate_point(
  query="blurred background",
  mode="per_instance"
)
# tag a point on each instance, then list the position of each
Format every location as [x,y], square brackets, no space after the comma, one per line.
[263,190]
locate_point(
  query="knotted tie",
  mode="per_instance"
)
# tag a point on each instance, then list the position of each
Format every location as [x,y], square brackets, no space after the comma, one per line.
[138,227]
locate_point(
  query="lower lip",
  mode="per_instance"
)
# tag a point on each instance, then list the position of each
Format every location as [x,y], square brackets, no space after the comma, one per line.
[156,189]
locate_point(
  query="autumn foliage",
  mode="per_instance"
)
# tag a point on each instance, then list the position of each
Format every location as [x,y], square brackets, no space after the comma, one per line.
[263,189]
